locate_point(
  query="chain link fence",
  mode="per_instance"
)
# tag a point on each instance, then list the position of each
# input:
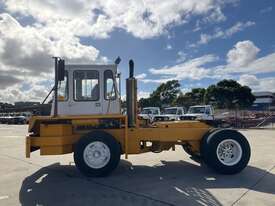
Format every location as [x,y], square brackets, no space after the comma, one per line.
[247,118]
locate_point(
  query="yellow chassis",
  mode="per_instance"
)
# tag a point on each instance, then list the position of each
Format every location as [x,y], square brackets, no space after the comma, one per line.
[57,135]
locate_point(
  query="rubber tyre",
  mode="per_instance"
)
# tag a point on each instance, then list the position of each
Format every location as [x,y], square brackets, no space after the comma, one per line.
[199,156]
[105,138]
[204,142]
[209,148]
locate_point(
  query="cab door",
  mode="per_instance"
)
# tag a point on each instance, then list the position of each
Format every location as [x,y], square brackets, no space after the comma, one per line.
[110,98]
[85,98]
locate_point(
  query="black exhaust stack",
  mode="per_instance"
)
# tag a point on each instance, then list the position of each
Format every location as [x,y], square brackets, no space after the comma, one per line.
[131,96]
[59,71]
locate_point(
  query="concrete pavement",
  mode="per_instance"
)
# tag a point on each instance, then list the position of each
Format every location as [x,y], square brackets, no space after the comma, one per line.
[168,178]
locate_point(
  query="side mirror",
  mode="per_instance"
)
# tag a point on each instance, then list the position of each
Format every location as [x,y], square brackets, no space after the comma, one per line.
[118,60]
[61,69]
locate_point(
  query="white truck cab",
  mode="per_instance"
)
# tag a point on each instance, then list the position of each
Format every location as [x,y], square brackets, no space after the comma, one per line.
[88,90]
[170,114]
[149,113]
[199,112]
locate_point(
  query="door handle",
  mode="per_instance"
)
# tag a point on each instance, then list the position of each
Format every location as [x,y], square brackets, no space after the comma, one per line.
[97,104]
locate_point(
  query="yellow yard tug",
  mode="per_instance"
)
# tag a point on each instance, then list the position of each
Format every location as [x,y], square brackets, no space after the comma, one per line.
[86,119]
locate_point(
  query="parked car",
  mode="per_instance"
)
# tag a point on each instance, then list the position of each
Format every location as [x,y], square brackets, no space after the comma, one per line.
[20,119]
[170,114]
[8,119]
[149,113]
[2,119]
[15,118]
[199,112]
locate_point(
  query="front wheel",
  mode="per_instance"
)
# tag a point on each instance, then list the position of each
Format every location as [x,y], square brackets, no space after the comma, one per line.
[226,151]
[97,154]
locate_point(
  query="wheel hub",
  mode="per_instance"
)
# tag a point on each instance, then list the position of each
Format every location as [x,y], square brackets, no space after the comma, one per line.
[96,154]
[229,152]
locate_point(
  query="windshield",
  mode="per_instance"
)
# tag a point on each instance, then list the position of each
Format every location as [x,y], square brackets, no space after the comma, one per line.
[196,110]
[149,111]
[146,111]
[170,111]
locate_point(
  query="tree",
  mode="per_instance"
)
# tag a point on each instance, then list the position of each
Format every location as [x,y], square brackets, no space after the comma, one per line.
[196,96]
[229,94]
[146,102]
[166,93]
[184,100]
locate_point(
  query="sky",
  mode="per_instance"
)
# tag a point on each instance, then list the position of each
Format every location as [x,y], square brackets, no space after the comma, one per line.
[198,42]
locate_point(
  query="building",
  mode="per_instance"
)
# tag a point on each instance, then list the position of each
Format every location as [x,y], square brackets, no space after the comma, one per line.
[25,104]
[263,101]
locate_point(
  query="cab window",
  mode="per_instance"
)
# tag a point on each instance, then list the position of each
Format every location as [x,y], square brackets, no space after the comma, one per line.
[63,88]
[86,85]
[207,110]
[155,111]
[180,112]
[109,85]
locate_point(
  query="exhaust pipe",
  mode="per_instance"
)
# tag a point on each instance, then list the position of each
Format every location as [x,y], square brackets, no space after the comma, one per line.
[131,96]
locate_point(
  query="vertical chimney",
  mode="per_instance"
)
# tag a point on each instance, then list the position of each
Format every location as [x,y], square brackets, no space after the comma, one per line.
[131,96]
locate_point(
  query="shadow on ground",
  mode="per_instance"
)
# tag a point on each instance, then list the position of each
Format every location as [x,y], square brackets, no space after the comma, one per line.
[169,183]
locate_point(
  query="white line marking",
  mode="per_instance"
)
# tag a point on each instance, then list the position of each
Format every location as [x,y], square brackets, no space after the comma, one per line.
[4,197]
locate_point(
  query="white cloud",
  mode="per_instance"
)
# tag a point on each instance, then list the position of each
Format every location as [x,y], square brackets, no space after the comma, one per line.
[33,48]
[215,16]
[7,81]
[25,57]
[266,10]
[186,89]
[240,26]
[141,76]
[192,69]
[168,47]
[181,56]
[249,80]
[218,33]
[258,84]
[142,94]
[15,93]
[97,18]
[157,81]
[241,61]
[243,53]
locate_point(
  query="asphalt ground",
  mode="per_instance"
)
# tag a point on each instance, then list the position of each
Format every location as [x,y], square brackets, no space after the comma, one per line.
[168,178]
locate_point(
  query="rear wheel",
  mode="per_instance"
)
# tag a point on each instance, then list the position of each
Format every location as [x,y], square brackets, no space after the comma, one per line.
[226,151]
[97,154]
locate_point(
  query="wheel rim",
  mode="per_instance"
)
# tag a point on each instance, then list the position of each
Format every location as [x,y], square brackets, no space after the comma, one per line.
[229,152]
[96,155]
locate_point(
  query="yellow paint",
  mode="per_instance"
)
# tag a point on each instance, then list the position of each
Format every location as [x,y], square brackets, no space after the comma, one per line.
[56,150]
[93,122]
[36,120]
[51,130]
[61,98]
[28,147]
[53,138]
[126,137]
